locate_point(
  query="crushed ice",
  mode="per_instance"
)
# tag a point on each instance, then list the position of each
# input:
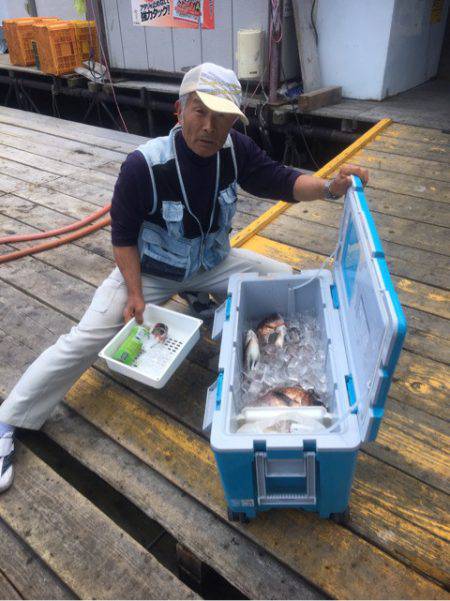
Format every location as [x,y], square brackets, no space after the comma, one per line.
[300,362]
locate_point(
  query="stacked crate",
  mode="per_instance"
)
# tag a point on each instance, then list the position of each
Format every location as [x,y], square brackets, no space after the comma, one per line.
[10,33]
[87,40]
[19,37]
[57,47]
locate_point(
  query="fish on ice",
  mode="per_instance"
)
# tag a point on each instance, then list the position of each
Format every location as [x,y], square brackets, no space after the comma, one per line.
[268,327]
[289,396]
[251,350]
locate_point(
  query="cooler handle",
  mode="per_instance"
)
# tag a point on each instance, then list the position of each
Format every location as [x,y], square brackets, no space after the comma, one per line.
[305,468]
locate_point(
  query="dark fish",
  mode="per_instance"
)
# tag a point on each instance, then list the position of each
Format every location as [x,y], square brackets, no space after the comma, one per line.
[290,396]
[269,326]
[301,397]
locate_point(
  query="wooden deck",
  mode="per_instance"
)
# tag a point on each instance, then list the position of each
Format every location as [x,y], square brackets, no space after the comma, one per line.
[58,542]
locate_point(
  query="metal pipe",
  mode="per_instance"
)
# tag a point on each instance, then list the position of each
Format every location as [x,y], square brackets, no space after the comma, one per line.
[274,48]
[312,131]
[322,133]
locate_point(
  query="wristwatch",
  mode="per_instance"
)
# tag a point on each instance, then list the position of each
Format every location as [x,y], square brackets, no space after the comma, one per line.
[328,194]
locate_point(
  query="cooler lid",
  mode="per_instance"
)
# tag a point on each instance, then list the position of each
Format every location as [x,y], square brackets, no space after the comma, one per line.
[372,319]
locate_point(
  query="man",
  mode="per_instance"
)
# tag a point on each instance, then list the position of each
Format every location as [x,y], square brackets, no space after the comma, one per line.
[172,212]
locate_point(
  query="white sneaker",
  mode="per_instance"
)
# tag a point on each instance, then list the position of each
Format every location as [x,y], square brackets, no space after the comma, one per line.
[6,455]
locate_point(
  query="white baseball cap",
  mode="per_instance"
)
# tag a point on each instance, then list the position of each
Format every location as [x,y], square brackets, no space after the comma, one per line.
[218,88]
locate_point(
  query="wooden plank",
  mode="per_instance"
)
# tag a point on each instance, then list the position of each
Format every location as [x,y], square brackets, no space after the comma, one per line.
[112,168]
[26,572]
[306,44]
[408,511]
[72,206]
[7,591]
[248,567]
[428,335]
[388,203]
[43,218]
[91,193]
[412,382]
[411,148]
[192,409]
[21,174]
[41,122]
[310,101]
[186,460]
[77,541]
[76,153]
[63,291]
[424,168]
[402,233]
[410,437]
[53,128]
[57,168]
[420,134]
[262,221]
[432,300]
[411,185]
[80,259]
[408,207]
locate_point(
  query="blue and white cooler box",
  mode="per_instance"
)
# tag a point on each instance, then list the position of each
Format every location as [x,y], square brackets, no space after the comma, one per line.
[362,327]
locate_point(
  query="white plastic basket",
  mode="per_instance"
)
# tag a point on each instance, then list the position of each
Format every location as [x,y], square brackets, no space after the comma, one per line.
[157,365]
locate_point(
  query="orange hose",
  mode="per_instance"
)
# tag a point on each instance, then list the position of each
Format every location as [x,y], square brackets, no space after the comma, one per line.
[62,230]
[32,250]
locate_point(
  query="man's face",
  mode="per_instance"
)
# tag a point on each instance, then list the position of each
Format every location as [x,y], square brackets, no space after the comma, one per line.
[205,131]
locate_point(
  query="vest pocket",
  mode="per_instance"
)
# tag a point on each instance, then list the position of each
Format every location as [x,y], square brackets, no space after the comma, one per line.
[172,212]
[227,202]
[163,256]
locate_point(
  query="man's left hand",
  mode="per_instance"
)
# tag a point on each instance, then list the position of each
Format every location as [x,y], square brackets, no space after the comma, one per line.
[342,180]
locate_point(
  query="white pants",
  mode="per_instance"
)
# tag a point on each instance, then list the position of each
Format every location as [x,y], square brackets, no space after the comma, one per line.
[52,374]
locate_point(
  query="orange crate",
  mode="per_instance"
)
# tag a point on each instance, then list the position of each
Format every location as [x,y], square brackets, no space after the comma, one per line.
[22,50]
[57,48]
[10,32]
[87,40]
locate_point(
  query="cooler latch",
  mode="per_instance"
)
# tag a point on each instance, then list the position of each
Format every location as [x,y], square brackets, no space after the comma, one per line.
[351,393]
[334,296]
[221,315]
[213,401]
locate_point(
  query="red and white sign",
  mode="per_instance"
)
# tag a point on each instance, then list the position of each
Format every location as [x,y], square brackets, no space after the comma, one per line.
[184,14]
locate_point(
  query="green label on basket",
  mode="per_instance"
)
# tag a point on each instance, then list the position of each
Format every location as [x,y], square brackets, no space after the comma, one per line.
[131,347]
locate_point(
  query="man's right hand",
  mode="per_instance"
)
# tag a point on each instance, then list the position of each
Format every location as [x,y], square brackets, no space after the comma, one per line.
[127,259]
[134,308]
